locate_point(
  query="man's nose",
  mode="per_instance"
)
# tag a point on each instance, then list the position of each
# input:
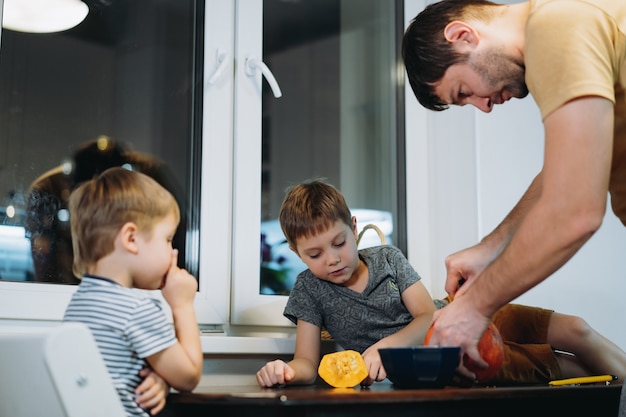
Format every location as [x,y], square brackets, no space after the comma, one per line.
[481,103]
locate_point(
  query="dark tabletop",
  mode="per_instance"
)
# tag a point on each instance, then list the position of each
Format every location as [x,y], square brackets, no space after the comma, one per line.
[383,400]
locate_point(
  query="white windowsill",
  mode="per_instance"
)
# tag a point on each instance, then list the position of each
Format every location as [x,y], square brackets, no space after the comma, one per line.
[247,345]
[241,341]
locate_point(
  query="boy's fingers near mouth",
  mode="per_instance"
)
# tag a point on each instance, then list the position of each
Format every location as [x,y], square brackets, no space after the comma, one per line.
[173,266]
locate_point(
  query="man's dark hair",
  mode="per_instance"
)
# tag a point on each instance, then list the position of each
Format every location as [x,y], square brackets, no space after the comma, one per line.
[426,52]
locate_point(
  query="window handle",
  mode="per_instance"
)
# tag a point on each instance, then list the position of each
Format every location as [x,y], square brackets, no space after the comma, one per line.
[253,65]
[222,63]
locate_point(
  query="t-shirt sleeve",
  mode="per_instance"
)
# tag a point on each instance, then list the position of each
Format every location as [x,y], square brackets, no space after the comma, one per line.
[148,331]
[301,305]
[405,274]
[568,54]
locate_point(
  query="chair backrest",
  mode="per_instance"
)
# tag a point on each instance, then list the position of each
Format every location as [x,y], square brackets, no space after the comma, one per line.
[54,372]
[381,235]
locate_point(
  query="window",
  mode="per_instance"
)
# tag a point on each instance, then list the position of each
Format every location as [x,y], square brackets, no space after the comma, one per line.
[124,87]
[170,79]
[335,63]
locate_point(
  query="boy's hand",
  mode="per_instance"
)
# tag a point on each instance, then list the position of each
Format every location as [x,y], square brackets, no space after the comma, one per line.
[375,367]
[180,286]
[275,373]
[152,392]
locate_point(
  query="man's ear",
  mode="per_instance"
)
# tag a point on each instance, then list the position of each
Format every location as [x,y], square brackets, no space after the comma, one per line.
[461,34]
[128,237]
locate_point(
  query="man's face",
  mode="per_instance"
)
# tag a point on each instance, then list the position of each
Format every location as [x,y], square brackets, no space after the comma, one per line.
[487,78]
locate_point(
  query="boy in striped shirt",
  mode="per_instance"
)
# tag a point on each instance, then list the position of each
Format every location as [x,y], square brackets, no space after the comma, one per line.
[123,223]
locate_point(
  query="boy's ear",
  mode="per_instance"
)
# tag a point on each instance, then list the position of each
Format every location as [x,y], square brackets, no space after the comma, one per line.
[461,34]
[294,250]
[128,237]
[354,228]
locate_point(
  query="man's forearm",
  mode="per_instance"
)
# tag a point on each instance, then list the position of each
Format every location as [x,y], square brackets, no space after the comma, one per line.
[544,241]
[501,235]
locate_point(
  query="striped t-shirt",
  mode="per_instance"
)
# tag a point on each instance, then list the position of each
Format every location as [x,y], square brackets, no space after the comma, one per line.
[128,326]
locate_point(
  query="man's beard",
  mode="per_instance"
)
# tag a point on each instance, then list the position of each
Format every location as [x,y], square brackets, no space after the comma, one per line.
[496,69]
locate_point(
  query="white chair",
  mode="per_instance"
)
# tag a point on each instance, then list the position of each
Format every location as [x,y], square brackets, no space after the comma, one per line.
[54,372]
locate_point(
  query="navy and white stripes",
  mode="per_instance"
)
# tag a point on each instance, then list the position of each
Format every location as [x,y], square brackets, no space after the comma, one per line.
[128,326]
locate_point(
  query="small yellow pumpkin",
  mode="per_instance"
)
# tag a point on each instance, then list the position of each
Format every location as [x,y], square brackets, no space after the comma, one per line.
[343,369]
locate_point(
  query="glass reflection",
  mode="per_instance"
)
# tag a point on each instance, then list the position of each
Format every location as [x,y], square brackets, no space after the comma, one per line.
[121,88]
[336,63]
[47,215]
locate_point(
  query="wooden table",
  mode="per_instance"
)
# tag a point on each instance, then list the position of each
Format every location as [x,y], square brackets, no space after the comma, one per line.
[382,400]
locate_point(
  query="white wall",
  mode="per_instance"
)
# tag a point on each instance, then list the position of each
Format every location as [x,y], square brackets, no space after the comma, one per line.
[466,171]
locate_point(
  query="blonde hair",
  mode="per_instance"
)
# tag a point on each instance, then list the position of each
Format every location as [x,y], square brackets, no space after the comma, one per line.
[101,206]
[310,208]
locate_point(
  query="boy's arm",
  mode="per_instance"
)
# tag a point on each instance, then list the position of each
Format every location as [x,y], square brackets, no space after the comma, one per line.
[181,364]
[306,358]
[421,306]
[302,369]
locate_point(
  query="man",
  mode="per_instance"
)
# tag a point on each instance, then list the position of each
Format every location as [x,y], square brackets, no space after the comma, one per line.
[571,56]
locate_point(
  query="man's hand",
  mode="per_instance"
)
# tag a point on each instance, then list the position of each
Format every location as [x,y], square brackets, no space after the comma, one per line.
[465,265]
[459,324]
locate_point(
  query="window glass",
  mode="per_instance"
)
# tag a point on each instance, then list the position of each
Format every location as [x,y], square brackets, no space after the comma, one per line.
[121,88]
[336,64]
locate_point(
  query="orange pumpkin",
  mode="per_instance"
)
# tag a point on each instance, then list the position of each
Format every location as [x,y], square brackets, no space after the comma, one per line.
[490,348]
[343,369]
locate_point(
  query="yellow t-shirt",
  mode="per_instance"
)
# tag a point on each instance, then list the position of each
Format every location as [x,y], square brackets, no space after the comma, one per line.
[574,48]
[577,48]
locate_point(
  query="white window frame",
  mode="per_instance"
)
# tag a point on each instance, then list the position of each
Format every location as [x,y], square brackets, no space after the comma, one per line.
[231,186]
[248,306]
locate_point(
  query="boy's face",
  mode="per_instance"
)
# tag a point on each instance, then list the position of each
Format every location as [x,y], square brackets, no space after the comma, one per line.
[331,255]
[155,251]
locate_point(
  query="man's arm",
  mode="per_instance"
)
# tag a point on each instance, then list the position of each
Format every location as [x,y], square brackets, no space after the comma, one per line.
[467,264]
[501,235]
[568,210]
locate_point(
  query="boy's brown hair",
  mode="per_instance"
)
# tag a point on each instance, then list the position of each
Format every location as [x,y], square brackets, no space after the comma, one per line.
[101,206]
[310,208]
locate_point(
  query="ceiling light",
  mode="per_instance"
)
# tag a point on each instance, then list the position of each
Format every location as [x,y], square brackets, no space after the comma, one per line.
[42,16]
